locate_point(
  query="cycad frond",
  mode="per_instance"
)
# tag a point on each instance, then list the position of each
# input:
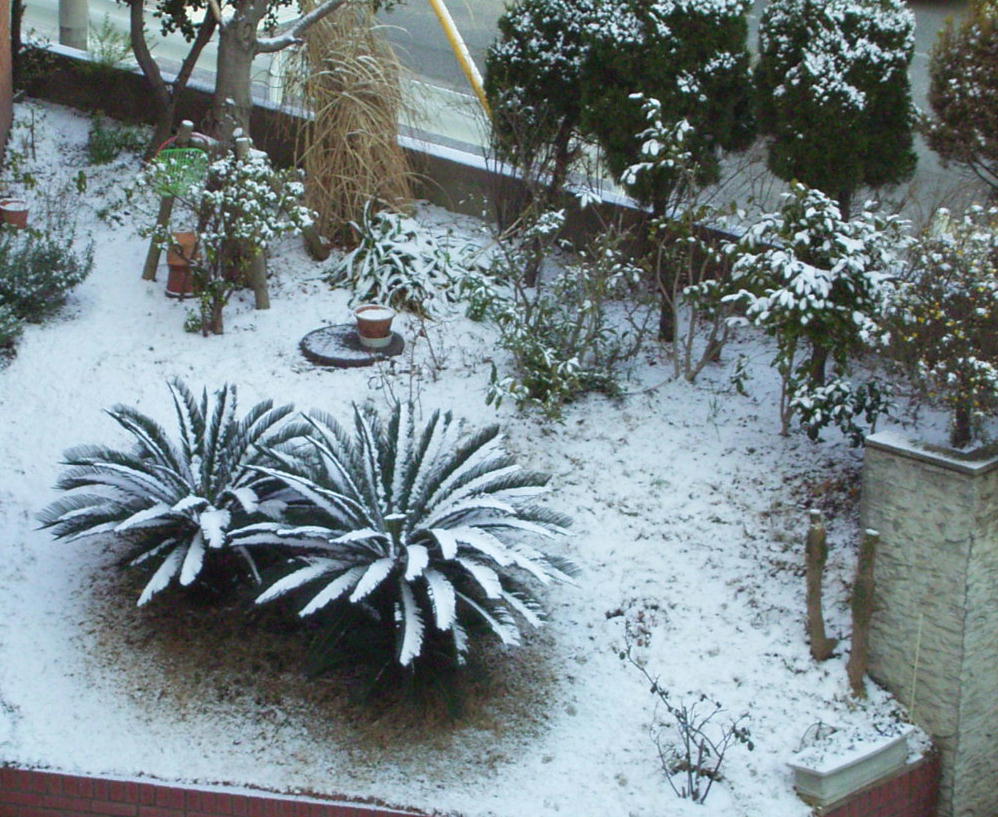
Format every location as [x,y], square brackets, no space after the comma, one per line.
[174,501]
[427,526]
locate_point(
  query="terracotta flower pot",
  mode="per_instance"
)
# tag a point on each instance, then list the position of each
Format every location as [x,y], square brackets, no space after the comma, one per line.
[180,280]
[15,212]
[374,325]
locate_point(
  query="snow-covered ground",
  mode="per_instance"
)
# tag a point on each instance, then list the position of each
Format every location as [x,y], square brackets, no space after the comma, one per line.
[690,514]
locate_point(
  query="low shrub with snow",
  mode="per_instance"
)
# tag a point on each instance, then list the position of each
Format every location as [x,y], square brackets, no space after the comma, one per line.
[399,262]
[946,317]
[407,541]
[41,264]
[818,284]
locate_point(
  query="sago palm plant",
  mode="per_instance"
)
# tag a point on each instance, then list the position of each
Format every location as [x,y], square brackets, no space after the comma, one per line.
[175,502]
[408,540]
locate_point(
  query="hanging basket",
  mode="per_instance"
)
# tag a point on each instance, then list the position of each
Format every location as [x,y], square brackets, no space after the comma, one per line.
[178,171]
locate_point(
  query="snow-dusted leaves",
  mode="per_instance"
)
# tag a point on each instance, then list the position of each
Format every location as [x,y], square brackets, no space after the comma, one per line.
[428,532]
[173,501]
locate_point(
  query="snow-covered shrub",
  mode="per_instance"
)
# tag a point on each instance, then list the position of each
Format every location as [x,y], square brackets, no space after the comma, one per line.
[689,55]
[946,317]
[532,79]
[40,265]
[686,256]
[833,93]
[571,334]
[241,208]
[410,540]
[173,503]
[10,327]
[818,284]
[399,262]
[963,92]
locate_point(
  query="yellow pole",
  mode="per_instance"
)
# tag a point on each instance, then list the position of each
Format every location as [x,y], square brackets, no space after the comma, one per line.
[461,52]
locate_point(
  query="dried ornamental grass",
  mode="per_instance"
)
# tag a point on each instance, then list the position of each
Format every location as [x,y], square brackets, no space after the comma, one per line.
[348,76]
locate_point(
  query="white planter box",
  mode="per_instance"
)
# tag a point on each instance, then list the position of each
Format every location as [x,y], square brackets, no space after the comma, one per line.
[835,778]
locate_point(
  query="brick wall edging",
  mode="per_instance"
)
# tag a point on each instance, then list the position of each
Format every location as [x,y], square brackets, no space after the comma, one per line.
[913,791]
[50,793]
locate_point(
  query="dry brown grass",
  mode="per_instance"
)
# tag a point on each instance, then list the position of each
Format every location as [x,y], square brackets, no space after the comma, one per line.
[348,75]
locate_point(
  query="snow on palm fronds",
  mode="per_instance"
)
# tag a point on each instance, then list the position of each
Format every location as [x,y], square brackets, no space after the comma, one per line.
[428,531]
[176,501]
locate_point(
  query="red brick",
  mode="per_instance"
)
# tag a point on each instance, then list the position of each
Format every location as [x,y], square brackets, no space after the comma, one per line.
[78,786]
[123,792]
[108,808]
[102,789]
[159,811]
[170,797]
[41,799]
[147,794]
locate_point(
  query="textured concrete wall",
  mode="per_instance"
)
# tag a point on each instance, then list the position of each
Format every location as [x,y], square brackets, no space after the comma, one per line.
[934,635]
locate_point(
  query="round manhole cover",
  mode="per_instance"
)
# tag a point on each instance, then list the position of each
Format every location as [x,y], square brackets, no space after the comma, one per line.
[340,346]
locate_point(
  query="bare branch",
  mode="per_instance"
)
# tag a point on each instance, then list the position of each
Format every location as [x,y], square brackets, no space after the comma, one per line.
[293,33]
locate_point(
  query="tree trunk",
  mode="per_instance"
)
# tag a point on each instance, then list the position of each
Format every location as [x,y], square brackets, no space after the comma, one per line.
[816,554]
[960,434]
[862,612]
[233,100]
[845,203]
[16,46]
[816,366]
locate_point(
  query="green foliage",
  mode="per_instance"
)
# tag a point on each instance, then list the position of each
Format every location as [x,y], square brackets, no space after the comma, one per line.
[39,265]
[10,327]
[399,262]
[106,141]
[532,79]
[568,336]
[562,69]
[109,47]
[963,92]
[174,502]
[833,93]
[241,207]
[945,317]
[408,540]
[689,55]
[818,284]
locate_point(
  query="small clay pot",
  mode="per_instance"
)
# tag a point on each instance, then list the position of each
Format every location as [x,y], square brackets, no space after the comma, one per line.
[14,212]
[180,279]
[374,325]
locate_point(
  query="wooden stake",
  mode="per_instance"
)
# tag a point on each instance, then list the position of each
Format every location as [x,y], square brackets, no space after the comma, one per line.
[816,554]
[165,211]
[862,612]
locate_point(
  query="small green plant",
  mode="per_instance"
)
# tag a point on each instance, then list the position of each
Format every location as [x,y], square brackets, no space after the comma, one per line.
[109,47]
[399,262]
[173,503]
[570,335]
[40,265]
[241,207]
[407,541]
[10,328]
[107,141]
[945,318]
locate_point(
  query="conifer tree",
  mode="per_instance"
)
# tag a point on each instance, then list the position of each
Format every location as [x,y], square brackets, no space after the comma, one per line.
[833,93]
[963,92]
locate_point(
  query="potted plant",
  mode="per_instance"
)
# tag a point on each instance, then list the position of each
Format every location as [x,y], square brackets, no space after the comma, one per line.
[14,211]
[374,325]
[179,256]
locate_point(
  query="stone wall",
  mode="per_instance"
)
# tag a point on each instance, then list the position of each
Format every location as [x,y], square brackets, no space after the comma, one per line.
[934,635]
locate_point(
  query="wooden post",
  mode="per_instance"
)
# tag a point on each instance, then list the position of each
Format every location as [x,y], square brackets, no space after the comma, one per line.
[165,211]
[256,271]
[816,554]
[862,612]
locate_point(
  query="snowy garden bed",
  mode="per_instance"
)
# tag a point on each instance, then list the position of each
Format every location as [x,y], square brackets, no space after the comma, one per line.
[689,518]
